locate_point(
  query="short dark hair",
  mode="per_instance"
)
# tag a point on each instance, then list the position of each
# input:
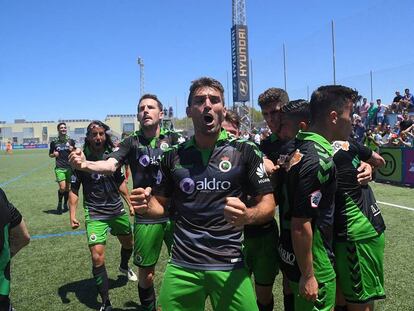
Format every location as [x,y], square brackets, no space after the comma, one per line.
[96,123]
[273,96]
[298,109]
[59,124]
[329,98]
[205,82]
[150,96]
[233,118]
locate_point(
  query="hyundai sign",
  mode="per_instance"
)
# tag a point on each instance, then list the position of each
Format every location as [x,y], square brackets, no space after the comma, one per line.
[240,63]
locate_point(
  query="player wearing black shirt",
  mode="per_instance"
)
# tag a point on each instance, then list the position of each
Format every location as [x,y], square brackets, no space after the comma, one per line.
[310,185]
[203,180]
[60,149]
[359,227]
[104,210]
[13,237]
[142,152]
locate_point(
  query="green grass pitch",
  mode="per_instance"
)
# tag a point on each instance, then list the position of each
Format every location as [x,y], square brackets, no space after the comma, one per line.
[54,273]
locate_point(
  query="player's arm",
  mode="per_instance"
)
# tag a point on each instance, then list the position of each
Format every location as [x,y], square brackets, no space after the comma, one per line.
[52,152]
[123,190]
[19,238]
[302,235]
[78,160]
[73,204]
[237,214]
[146,204]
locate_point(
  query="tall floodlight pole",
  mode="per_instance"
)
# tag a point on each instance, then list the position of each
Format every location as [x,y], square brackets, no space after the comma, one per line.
[284,66]
[240,63]
[333,53]
[141,75]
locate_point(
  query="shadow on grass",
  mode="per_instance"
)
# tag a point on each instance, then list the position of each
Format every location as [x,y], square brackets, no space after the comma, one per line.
[54,212]
[86,293]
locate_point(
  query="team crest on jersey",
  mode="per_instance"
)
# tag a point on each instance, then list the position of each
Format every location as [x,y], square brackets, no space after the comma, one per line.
[92,237]
[96,176]
[187,185]
[294,159]
[225,164]
[144,160]
[164,146]
[315,198]
[340,145]
[138,258]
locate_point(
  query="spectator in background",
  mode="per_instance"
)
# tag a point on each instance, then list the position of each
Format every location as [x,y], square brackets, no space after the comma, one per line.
[372,115]
[369,141]
[359,129]
[231,123]
[406,122]
[410,134]
[13,237]
[363,111]
[408,100]
[386,135]
[401,140]
[380,112]
[395,106]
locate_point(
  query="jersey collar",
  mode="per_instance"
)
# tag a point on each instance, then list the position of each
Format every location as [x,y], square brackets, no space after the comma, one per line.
[222,136]
[320,140]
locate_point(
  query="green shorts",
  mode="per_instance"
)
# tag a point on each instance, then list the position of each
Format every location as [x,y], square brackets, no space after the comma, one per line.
[97,230]
[262,258]
[324,302]
[5,264]
[148,242]
[186,289]
[360,271]
[63,174]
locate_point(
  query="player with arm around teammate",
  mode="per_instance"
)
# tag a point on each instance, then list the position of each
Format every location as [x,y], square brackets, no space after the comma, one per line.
[203,180]
[104,210]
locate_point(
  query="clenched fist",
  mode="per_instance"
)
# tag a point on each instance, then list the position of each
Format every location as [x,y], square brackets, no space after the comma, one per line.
[140,198]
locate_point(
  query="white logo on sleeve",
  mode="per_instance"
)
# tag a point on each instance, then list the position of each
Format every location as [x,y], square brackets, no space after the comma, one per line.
[260,171]
[315,198]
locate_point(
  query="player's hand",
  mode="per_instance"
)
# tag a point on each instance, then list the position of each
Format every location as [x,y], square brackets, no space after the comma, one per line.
[235,212]
[131,210]
[365,173]
[77,159]
[308,288]
[74,223]
[270,167]
[55,154]
[140,198]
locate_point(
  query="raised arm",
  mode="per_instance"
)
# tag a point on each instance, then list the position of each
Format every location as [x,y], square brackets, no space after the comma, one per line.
[78,160]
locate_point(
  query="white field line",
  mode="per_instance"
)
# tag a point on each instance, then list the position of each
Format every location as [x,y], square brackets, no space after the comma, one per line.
[395,205]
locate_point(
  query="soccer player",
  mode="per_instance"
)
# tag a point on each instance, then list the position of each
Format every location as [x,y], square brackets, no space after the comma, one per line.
[59,149]
[9,148]
[142,151]
[359,229]
[104,210]
[231,123]
[203,180]
[310,189]
[13,237]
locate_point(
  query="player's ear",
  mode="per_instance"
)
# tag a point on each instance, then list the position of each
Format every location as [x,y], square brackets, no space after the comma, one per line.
[188,111]
[303,126]
[333,117]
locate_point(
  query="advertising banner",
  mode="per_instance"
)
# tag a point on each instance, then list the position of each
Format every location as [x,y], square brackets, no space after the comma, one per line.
[408,166]
[240,63]
[392,170]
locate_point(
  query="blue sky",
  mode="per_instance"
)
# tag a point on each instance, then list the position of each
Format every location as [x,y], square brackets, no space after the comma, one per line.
[78,59]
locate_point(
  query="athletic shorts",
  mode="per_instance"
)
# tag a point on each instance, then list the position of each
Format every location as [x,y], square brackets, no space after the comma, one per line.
[63,174]
[5,265]
[148,240]
[262,258]
[359,267]
[186,289]
[97,230]
[324,302]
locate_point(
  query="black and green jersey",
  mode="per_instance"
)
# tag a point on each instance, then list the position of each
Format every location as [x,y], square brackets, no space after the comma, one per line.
[310,190]
[101,198]
[62,145]
[9,218]
[198,182]
[357,215]
[270,147]
[143,156]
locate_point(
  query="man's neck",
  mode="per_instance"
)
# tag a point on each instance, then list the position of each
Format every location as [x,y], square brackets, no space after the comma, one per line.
[151,132]
[323,131]
[62,136]
[206,141]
